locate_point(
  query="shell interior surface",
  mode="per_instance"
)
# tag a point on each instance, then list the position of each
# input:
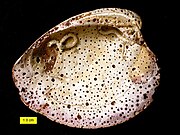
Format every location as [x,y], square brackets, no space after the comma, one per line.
[93,70]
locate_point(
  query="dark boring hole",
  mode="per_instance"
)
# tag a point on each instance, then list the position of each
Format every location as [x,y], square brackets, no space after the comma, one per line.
[69,106]
[145,96]
[87,103]
[23,90]
[52,79]
[36,73]
[79,117]
[24,73]
[113,66]
[133,69]
[37,59]
[113,103]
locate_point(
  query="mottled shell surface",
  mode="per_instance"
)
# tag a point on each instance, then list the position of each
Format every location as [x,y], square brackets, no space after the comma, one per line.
[93,70]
